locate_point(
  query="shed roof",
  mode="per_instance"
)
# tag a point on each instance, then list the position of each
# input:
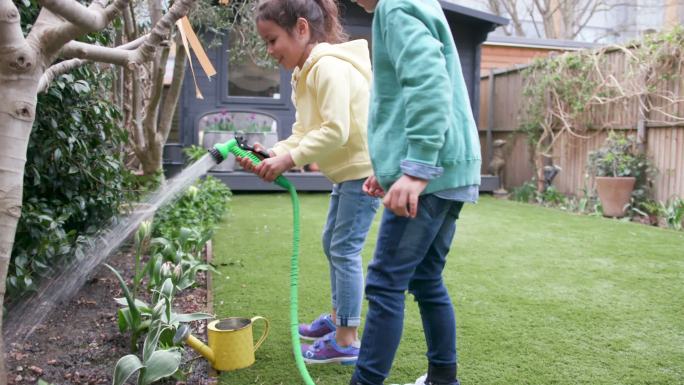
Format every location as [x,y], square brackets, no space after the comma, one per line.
[517,41]
[494,20]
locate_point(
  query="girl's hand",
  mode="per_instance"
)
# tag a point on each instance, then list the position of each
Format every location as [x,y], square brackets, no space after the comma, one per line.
[271,168]
[402,197]
[373,188]
[247,163]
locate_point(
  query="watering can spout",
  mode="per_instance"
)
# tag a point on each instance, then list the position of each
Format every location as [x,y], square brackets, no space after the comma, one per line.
[183,335]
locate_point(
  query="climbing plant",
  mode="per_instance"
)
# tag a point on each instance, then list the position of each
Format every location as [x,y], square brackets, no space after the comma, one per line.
[562,91]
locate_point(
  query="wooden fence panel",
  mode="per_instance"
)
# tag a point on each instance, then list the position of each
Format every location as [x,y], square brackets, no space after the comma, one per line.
[519,168]
[570,153]
[666,147]
[483,122]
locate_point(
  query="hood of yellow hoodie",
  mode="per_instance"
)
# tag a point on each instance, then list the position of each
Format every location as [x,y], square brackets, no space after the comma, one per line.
[354,52]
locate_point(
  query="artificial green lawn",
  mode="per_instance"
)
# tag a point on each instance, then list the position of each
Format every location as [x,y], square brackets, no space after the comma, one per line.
[542,296]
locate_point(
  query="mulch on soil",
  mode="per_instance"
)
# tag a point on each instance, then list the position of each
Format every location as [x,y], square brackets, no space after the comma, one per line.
[80,343]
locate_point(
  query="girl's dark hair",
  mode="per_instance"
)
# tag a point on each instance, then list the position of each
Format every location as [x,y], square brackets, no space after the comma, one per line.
[322,16]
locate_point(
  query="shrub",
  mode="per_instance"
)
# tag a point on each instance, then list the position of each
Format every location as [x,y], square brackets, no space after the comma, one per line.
[200,207]
[74,176]
[525,193]
[618,157]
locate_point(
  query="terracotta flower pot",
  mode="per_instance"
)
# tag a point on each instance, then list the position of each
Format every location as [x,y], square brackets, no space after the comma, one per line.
[614,193]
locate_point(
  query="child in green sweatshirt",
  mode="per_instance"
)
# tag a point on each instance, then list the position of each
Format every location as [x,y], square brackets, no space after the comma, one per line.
[425,152]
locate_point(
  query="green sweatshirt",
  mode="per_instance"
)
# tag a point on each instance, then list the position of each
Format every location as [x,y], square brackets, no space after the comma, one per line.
[420,111]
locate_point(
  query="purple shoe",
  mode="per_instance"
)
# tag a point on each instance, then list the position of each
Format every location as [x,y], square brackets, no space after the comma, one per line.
[326,351]
[318,328]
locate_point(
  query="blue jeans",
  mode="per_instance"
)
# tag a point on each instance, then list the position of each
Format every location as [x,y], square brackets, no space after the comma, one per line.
[350,215]
[410,255]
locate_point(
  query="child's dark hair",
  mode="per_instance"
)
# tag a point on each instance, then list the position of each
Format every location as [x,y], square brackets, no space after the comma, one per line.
[322,16]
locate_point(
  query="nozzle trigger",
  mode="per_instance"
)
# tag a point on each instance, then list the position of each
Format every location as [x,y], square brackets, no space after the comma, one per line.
[242,143]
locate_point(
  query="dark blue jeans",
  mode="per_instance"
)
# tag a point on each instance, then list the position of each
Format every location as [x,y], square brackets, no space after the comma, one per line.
[410,255]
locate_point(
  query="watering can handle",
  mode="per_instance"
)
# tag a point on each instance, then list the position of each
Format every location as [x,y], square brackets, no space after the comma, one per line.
[264,334]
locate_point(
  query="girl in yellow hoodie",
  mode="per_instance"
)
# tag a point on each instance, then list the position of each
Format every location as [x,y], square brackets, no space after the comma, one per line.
[330,90]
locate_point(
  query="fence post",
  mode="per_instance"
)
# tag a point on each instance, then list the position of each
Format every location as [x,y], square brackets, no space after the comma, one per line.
[490,119]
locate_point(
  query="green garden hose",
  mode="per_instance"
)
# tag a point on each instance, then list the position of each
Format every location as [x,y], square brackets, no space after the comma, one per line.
[219,153]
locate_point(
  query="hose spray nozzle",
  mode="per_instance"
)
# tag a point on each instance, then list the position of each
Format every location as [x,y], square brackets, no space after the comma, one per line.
[238,147]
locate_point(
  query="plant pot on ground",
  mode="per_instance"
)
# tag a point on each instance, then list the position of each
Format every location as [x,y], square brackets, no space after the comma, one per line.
[619,170]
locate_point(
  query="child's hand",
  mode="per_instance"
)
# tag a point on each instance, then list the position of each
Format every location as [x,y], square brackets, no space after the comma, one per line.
[373,188]
[247,163]
[271,168]
[402,197]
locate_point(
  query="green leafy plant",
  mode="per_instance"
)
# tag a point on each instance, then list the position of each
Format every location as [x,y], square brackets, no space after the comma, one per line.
[221,122]
[137,316]
[142,244]
[525,193]
[673,212]
[194,153]
[201,207]
[560,83]
[551,197]
[75,178]
[237,122]
[155,363]
[618,157]
[181,266]
[132,317]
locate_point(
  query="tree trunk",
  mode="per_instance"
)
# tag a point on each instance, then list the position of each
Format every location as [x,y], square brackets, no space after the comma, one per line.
[23,63]
[20,74]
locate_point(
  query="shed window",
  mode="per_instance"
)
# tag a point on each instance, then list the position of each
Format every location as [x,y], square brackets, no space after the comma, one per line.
[249,77]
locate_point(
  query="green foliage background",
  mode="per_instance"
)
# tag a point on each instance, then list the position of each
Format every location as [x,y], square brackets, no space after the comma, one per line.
[201,207]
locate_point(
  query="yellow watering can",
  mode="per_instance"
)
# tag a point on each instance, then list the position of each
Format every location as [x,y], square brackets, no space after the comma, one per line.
[231,343]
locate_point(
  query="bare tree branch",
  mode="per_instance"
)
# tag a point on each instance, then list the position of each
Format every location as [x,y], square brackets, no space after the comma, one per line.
[57,70]
[76,49]
[173,94]
[136,110]
[17,56]
[155,10]
[134,44]
[161,30]
[69,65]
[130,29]
[152,108]
[10,29]
[90,19]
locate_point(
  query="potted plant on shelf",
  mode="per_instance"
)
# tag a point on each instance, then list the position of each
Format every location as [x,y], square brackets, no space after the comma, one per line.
[620,172]
[218,128]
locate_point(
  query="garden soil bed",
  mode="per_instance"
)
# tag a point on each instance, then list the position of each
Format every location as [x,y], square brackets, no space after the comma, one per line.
[80,343]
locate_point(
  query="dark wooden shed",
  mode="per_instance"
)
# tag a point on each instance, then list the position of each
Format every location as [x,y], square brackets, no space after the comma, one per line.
[242,95]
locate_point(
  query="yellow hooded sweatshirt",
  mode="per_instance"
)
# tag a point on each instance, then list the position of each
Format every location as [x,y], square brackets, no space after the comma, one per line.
[330,93]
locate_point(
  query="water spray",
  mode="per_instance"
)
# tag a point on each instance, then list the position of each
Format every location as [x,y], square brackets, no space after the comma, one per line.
[239,148]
